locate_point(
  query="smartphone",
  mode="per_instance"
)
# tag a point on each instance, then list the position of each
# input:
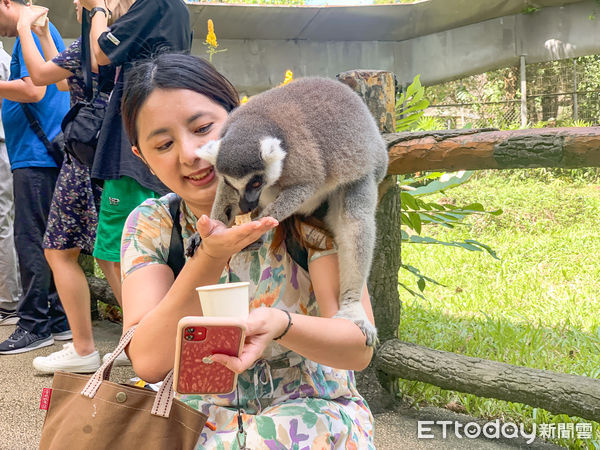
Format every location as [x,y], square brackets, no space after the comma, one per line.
[198,338]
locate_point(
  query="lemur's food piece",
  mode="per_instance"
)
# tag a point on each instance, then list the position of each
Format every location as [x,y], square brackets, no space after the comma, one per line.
[243,218]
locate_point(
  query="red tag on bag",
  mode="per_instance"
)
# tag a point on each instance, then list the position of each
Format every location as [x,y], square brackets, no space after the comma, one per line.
[45,401]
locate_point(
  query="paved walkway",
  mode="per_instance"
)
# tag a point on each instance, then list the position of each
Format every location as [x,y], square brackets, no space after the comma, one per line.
[21,419]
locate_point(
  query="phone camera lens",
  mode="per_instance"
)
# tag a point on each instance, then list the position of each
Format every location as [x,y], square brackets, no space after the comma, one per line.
[189,337]
[189,330]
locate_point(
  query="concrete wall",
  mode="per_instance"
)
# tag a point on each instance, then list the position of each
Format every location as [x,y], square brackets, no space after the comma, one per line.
[554,32]
[549,34]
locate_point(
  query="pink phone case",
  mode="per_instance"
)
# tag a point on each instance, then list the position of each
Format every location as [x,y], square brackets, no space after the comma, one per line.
[197,339]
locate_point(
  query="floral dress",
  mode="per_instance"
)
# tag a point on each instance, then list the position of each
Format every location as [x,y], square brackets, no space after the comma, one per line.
[288,401]
[73,216]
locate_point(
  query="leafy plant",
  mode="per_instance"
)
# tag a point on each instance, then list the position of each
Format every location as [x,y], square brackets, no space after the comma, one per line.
[530,9]
[410,106]
[429,123]
[417,213]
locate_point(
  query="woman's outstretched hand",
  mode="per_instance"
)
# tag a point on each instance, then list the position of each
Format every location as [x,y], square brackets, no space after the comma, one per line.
[220,242]
[262,325]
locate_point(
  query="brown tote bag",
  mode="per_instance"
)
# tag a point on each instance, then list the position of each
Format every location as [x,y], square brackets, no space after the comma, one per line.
[94,413]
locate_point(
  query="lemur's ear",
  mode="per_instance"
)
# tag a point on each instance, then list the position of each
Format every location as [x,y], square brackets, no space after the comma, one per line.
[209,151]
[273,156]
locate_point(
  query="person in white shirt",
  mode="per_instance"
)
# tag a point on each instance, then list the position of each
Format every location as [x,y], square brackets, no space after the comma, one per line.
[9,277]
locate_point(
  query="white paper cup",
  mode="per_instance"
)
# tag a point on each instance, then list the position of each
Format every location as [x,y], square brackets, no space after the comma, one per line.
[225,300]
[40,21]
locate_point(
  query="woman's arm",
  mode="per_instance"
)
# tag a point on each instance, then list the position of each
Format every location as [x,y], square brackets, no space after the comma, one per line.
[22,90]
[156,302]
[333,342]
[99,26]
[42,72]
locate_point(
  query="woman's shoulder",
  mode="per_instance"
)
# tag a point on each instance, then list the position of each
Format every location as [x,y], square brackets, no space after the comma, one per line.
[154,210]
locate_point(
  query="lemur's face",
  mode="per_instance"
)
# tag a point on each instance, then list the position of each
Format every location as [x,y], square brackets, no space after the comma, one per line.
[249,189]
[247,170]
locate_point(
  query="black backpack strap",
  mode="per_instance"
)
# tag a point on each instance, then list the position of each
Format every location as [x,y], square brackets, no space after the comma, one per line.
[37,128]
[86,56]
[56,153]
[176,259]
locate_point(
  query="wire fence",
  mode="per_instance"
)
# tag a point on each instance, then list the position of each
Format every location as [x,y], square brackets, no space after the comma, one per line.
[559,93]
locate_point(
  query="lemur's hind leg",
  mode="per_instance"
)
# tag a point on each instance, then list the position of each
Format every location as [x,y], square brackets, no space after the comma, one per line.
[351,218]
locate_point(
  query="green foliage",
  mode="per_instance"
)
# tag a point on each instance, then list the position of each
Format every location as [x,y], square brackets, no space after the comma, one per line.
[410,106]
[530,9]
[417,213]
[536,307]
[426,123]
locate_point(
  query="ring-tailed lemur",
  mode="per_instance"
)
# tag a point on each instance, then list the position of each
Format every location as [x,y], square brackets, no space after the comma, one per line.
[293,147]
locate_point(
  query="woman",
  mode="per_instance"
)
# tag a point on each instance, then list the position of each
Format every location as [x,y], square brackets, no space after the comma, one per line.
[288,390]
[73,214]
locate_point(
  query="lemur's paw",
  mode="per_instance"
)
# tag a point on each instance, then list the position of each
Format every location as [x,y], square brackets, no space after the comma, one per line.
[369,331]
[355,312]
[195,241]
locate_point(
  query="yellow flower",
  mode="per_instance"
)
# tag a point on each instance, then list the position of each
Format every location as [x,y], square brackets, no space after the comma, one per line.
[289,77]
[211,37]
[244,100]
[211,41]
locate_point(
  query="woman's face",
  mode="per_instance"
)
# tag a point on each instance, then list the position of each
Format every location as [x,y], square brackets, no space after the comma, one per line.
[172,124]
[78,9]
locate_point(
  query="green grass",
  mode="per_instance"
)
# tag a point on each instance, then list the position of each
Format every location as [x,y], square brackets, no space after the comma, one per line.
[537,306]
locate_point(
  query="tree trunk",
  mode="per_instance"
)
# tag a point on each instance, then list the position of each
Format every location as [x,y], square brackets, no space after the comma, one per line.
[556,392]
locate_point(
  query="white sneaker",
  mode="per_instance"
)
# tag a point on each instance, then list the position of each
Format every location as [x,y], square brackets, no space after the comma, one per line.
[122,359]
[67,360]
[63,336]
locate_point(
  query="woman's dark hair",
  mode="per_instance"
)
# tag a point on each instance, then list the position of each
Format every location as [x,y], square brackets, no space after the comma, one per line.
[172,71]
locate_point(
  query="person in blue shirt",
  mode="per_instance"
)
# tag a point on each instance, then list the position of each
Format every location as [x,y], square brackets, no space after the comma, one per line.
[41,316]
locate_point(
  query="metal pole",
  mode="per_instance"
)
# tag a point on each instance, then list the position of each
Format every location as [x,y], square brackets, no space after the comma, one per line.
[523,92]
[575,99]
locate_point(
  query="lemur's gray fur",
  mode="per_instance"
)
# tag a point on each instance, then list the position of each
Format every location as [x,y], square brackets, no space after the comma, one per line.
[293,147]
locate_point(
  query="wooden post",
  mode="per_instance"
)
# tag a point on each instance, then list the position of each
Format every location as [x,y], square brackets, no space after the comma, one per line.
[378,90]
[523,91]
[87,264]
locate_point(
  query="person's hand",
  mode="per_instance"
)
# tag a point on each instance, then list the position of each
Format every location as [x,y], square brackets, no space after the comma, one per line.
[28,16]
[43,30]
[220,242]
[89,4]
[262,325]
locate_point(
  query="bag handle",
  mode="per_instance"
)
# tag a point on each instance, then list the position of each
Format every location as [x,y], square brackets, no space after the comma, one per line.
[164,397]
